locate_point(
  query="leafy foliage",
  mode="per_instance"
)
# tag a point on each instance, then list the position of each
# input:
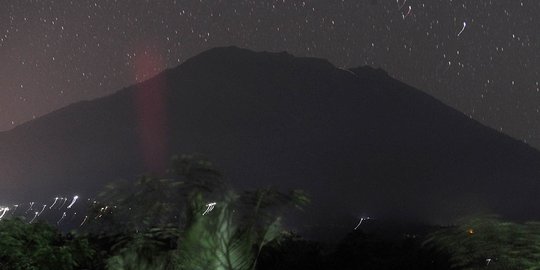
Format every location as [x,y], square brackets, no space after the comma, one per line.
[143,219]
[232,236]
[167,223]
[39,246]
[148,250]
[154,202]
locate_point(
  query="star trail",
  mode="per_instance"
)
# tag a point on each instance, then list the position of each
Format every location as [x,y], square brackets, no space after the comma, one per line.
[480,57]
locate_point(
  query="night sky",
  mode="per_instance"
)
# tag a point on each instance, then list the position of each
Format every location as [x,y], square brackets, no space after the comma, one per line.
[479,56]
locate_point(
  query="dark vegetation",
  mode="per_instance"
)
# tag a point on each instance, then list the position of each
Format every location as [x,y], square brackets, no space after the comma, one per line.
[165,223]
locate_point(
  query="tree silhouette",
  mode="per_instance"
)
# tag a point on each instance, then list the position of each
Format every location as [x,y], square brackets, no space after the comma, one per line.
[166,223]
[39,246]
[488,242]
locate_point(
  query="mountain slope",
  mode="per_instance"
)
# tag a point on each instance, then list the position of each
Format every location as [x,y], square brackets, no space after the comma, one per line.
[358,140]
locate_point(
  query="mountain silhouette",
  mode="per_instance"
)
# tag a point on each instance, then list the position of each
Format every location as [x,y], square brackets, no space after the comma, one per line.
[359,141]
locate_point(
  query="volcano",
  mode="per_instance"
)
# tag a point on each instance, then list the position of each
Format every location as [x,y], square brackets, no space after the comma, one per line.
[359,141]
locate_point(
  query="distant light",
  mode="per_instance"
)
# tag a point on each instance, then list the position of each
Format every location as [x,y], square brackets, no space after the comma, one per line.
[4,210]
[360,223]
[73,201]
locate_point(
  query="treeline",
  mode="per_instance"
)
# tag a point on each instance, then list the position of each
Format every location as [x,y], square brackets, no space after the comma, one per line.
[192,220]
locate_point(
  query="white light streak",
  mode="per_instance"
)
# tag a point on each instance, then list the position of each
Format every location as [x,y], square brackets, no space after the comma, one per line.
[360,223]
[55,199]
[407,14]
[84,220]
[30,208]
[62,218]
[4,210]
[64,201]
[102,210]
[42,209]
[462,29]
[35,216]
[73,201]
[209,208]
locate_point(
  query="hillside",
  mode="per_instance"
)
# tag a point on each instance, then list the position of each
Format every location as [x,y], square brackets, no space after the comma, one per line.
[361,142]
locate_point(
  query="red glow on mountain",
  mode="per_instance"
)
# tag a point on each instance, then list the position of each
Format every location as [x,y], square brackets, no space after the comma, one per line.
[150,104]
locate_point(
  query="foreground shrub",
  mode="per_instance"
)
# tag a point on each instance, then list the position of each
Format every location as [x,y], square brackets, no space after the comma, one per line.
[189,220]
[39,246]
[482,242]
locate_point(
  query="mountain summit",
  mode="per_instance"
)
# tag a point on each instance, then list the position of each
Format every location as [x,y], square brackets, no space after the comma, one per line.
[361,142]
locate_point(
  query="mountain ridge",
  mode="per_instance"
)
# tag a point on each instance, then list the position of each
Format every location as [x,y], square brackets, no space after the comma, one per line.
[364,72]
[366,140]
